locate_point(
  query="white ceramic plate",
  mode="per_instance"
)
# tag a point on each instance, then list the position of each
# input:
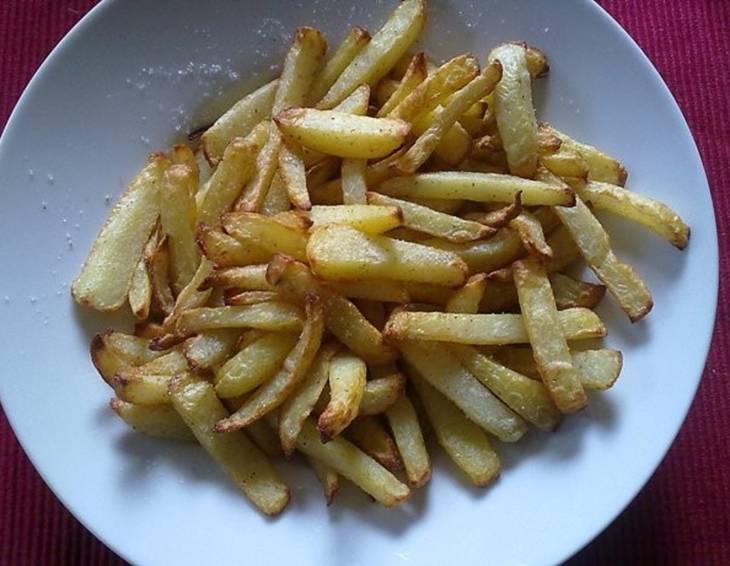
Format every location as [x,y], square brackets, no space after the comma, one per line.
[131,75]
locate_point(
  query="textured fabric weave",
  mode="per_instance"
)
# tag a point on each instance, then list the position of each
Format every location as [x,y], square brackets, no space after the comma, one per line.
[681,516]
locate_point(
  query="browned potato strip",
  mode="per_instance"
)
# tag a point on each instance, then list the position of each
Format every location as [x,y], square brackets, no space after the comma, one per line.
[158,267]
[650,213]
[414,75]
[148,329]
[500,217]
[383,290]
[245,464]
[249,277]
[379,56]
[428,221]
[339,252]
[528,398]
[549,344]
[140,289]
[267,233]
[352,463]
[353,43]
[161,421]
[209,349]
[225,251]
[142,389]
[327,477]
[485,255]
[368,434]
[537,62]
[380,393]
[444,372]
[293,173]
[254,193]
[252,298]
[105,278]
[347,374]
[467,299]
[191,296]
[531,233]
[254,364]
[465,443]
[275,316]
[406,429]
[363,217]
[565,164]
[571,293]
[485,329]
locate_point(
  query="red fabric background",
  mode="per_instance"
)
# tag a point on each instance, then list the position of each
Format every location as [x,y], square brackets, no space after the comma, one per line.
[682,516]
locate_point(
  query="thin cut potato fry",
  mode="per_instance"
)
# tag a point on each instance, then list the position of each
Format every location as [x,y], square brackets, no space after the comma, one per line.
[354,186]
[444,372]
[339,252]
[267,233]
[525,396]
[347,374]
[275,316]
[342,318]
[379,56]
[342,134]
[294,175]
[415,74]
[368,434]
[363,217]
[190,297]
[140,289]
[209,349]
[531,233]
[238,121]
[252,298]
[571,293]
[275,391]
[277,197]
[465,443]
[403,422]
[177,217]
[459,103]
[486,329]
[299,405]
[514,110]
[549,345]
[160,421]
[380,393]
[352,463]
[244,463]
[142,389]
[226,251]
[157,261]
[327,477]
[106,275]
[384,290]
[481,187]
[650,213]
[353,44]
[248,277]
[485,255]
[254,364]
[565,164]
[429,221]
[467,299]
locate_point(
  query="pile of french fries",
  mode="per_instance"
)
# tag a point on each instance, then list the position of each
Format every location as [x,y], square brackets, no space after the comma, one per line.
[368,250]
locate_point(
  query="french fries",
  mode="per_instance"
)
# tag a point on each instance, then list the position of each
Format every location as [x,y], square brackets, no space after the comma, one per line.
[363,214]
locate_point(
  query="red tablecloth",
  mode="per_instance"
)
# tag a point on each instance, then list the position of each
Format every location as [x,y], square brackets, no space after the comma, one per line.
[683,515]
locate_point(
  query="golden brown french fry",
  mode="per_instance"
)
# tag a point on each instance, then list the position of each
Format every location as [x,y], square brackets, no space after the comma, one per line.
[158,268]
[140,289]
[531,233]
[429,221]
[379,56]
[347,374]
[571,293]
[406,429]
[353,44]
[160,421]
[252,298]
[249,277]
[363,217]
[380,393]
[267,233]
[226,251]
[244,463]
[109,360]
[514,110]
[209,349]
[339,252]
[465,443]
[327,477]
[238,121]
[177,216]
[352,463]
[481,187]
[293,174]
[525,396]
[342,318]
[277,197]
[565,164]
[414,75]
[444,372]
[486,329]
[549,344]
[274,316]
[342,134]
[650,213]
[467,299]
[105,278]
[485,255]
[368,434]
[147,384]
[275,391]
[384,290]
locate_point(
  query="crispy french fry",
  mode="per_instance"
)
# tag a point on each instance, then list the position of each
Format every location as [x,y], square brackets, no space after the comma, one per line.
[158,268]
[226,251]
[112,352]
[275,391]
[299,405]
[248,277]
[274,316]
[245,464]
[209,349]
[190,296]
[327,477]
[347,374]
[467,299]
[383,290]
[571,293]
[531,233]
[293,174]
[352,463]
[105,278]
[380,55]
[238,121]
[339,252]
[252,298]
[403,422]
[363,217]
[414,75]
[565,164]
[465,443]
[444,372]
[486,329]
[354,43]
[140,289]
[650,213]
[485,255]
[368,434]
[342,134]
[267,233]
[380,393]
[482,187]
[160,421]
[148,384]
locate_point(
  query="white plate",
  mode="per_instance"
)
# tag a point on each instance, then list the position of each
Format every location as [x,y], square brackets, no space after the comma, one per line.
[121,83]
